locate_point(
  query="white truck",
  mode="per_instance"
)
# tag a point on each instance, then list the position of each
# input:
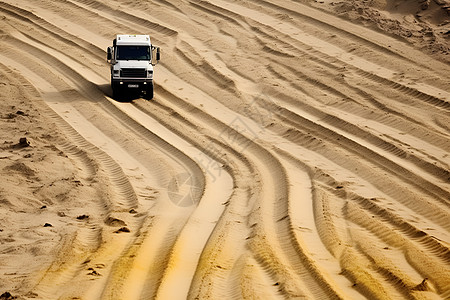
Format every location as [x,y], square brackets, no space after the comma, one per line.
[132,58]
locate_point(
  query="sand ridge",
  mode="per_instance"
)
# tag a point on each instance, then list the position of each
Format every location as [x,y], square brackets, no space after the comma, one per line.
[294,149]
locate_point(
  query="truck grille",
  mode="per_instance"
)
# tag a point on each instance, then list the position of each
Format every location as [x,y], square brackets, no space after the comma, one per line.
[134,73]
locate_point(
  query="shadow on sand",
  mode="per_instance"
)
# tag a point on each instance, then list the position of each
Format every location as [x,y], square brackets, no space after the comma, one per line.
[125,96]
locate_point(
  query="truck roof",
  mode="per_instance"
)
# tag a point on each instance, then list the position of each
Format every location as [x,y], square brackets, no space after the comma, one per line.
[133,39]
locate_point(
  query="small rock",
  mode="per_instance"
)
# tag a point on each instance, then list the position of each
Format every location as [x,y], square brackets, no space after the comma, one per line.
[24,142]
[48,225]
[82,217]
[423,286]
[7,296]
[122,229]
[94,273]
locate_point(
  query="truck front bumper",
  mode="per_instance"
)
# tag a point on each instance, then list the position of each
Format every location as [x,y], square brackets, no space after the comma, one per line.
[131,83]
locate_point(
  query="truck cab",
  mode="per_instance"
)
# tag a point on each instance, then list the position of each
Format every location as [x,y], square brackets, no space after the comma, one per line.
[132,58]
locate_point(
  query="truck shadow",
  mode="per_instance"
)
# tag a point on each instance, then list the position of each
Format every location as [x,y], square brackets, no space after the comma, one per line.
[128,97]
[124,97]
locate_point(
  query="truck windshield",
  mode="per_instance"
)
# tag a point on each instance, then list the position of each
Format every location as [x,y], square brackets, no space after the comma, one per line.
[133,53]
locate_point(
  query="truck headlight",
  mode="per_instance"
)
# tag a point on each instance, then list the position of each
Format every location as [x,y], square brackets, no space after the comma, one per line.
[149,73]
[116,72]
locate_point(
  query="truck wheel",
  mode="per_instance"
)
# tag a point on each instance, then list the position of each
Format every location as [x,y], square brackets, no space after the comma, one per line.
[116,92]
[149,92]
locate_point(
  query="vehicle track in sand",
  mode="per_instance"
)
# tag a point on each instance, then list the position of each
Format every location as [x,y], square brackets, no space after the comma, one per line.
[314,151]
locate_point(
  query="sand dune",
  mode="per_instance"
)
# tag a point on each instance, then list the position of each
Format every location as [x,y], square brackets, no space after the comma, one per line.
[294,149]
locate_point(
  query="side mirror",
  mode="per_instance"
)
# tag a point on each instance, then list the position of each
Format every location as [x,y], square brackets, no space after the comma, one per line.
[109,53]
[158,54]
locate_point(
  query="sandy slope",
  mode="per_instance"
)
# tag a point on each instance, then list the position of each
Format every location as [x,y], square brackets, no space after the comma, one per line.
[288,153]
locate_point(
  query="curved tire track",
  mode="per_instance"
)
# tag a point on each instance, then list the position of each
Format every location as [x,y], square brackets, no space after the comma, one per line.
[301,113]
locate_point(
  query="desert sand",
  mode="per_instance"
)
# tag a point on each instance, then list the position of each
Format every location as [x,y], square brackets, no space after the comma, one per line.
[293,150]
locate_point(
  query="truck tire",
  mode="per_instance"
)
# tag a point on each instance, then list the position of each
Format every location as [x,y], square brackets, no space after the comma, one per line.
[115,89]
[116,92]
[149,92]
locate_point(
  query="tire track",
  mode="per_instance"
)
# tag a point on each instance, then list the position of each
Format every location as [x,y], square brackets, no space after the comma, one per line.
[331,183]
[111,163]
[284,234]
